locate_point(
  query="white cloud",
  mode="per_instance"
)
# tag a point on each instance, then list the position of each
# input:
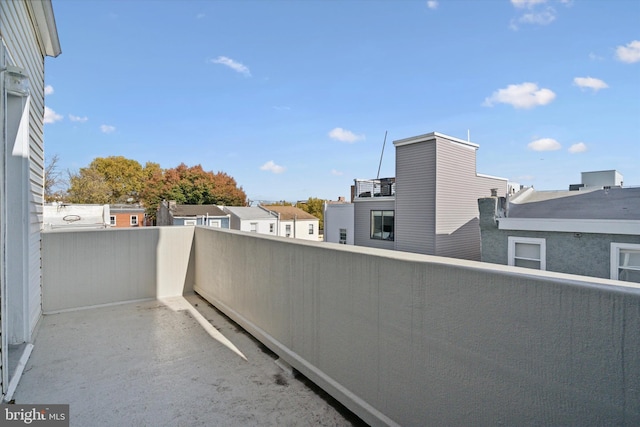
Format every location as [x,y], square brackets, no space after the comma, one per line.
[629,53]
[270,166]
[526,3]
[51,116]
[344,135]
[432,4]
[580,147]
[107,128]
[544,144]
[234,65]
[594,57]
[78,118]
[545,17]
[336,172]
[590,83]
[48,90]
[524,95]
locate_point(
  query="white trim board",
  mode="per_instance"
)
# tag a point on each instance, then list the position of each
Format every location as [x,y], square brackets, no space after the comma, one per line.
[599,226]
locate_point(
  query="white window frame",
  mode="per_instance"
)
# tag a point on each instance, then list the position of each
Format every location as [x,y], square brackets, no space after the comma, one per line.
[133,220]
[615,256]
[310,228]
[514,240]
[253,227]
[272,227]
[112,220]
[190,222]
[287,228]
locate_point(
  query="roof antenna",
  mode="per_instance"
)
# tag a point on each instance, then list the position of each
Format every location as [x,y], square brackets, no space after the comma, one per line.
[382,154]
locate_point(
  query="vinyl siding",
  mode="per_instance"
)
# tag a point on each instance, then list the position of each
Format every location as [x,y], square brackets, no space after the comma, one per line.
[25,51]
[362,220]
[457,192]
[415,197]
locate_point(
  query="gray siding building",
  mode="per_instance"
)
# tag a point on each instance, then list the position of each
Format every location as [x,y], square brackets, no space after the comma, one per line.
[432,200]
[591,233]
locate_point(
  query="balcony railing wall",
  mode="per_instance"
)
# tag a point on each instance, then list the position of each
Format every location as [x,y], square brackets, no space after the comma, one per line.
[398,338]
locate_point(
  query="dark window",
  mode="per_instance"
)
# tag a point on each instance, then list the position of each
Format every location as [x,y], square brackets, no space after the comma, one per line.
[382,225]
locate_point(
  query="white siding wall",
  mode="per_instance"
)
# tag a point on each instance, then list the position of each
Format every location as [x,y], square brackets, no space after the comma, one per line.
[25,173]
[300,229]
[337,216]
[262,225]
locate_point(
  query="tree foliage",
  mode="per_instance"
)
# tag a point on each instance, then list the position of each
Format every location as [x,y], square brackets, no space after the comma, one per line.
[190,186]
[315,207]
[114,179]
[119,180]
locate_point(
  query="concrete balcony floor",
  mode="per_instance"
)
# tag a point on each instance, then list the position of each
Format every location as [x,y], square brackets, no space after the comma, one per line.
[174,362]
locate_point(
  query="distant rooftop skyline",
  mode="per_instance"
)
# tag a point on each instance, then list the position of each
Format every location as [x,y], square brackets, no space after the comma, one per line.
[293,99]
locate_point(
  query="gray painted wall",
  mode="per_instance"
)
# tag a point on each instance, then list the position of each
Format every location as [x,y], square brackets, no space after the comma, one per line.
[399,338]
[362,221]
[437,188]
[86,268]
[586,254]
[416,198]
[412,339]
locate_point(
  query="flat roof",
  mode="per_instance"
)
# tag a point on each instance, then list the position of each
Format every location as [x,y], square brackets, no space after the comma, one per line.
[431,136]
[613,203]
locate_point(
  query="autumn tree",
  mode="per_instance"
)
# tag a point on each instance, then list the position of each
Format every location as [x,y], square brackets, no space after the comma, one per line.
[114,179]
[190,186]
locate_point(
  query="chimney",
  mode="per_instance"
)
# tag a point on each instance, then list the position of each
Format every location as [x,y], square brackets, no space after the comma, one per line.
[341,199]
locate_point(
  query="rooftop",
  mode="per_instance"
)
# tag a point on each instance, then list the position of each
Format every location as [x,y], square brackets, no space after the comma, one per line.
[175,361]
[614,203]
[195,210]
[249,212]
[289,212]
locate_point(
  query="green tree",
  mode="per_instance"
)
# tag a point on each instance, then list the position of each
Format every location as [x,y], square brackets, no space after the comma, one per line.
[124,176]
[315,207]
[114,179]
[88,186]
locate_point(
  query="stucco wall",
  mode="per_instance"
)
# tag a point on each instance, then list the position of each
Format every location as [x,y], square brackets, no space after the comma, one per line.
[419,340]
[86,268]
[587,254]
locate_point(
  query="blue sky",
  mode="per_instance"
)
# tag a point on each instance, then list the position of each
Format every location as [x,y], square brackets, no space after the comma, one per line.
[293,98]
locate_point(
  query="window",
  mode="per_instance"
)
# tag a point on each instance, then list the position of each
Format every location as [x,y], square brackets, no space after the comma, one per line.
[134,220]
[310,228]
[382,225]
[343,236]
[625,262]
[190,221]
[527,252]
[112,220]
[288,230]
[271,228]
[254,227]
